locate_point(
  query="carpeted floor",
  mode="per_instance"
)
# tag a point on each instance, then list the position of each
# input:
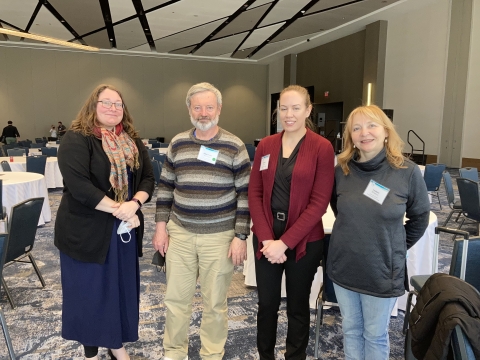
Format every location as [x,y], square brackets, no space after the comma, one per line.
[35,325]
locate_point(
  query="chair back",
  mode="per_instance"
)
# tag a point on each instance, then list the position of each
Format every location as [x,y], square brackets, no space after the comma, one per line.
[160,158]
[447,182]
[52,151]
[151,153]
[22,227]
[433,176]
[469,197]
[57,142]
[152,141]
[5,166]
[156,171]
[251,151]
[16,152]
[472,270]
[164,145]
[461,347]
[39,140]
[3,253]
[36,146]
[469,173]
[155,145]
[36,164]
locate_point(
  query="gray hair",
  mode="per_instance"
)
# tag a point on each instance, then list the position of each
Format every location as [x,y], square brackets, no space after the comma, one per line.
[201,87]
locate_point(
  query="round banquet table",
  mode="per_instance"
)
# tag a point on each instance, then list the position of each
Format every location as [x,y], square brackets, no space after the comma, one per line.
[53,176]
[52,144]
[419,260]
[20,186]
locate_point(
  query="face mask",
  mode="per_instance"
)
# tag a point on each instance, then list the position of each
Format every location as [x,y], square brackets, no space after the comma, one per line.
[123,228]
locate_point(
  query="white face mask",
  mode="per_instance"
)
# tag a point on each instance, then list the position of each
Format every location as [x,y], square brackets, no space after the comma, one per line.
[124,229]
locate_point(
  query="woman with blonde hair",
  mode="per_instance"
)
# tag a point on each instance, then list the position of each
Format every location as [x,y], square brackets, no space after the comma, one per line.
[107,177]
[375,186]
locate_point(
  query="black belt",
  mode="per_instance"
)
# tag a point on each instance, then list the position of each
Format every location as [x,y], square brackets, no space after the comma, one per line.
[280,215]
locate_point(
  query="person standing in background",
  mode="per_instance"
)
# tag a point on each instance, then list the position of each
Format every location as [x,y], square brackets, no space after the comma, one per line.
[53,132]
[61,130]
[10,133]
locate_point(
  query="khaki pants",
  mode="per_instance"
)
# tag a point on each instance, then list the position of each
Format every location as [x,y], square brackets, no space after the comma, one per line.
[190,256]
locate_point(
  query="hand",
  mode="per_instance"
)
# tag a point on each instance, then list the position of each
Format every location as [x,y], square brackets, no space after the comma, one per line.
[238,251]
[160,238]
[125,210]
[274,251]
[133,222]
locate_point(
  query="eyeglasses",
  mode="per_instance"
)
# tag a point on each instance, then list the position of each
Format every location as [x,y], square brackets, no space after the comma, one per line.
[108,104]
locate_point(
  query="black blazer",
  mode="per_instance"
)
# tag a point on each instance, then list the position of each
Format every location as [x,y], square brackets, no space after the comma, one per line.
[82,232]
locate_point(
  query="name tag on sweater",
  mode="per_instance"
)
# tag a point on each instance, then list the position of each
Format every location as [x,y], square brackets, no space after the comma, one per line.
[208,155]
[377,192]
[264,163]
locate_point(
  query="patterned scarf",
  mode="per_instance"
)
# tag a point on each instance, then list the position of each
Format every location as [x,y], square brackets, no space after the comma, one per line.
[121,151]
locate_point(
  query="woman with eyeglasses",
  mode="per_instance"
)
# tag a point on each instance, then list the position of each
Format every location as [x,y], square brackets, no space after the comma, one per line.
[107,177]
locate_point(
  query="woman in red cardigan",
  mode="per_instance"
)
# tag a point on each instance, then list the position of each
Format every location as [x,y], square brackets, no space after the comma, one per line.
[290,188]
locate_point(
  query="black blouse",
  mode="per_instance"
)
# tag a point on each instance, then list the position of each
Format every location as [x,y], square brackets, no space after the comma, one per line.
[283,178]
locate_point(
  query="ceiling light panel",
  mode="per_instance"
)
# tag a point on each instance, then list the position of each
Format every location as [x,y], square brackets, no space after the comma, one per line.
[284,10]
[83,16]
[260,35]
[278,46]
[144,47]
[326,4]
[187,37]
[242,54]
[243,22]
[187,14]
[46,24]
[99,39]
[148,4]
[184,51]
[129,34]
[259,2]
[222,46]
[121,9]
[17,15]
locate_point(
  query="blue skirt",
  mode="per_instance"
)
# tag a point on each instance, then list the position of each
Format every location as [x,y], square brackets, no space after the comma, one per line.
[101,301]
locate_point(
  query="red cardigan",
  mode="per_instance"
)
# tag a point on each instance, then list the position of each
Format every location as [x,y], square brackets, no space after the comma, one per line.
[310,191]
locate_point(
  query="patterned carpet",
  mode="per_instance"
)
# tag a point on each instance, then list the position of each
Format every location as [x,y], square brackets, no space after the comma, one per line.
[36,323]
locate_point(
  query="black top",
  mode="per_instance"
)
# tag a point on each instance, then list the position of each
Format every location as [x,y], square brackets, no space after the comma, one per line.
[81,231]
[283,178]
[10,131]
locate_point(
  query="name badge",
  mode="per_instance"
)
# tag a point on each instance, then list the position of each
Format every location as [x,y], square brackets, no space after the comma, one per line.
[377,192]
[264,163]
[208,155]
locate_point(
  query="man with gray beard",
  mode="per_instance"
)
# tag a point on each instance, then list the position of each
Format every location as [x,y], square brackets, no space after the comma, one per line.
[202,219]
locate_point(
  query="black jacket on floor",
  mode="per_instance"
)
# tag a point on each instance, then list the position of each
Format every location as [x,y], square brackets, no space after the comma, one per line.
[444,302]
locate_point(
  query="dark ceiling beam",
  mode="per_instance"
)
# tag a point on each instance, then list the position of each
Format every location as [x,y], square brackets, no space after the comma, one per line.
[34,15]
[107,18]
[59,17]
[5,36]
[144,22]
[282,28]
[221,26]
[11,25]
[255,27]
[335,7]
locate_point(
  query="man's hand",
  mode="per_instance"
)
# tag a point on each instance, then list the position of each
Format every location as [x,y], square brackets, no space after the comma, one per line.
[274,251]
[238,251]
[160,238]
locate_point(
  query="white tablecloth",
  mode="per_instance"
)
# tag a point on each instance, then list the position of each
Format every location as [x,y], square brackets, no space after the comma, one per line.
[20,186]
[52,144]
[419,262]
[53,177]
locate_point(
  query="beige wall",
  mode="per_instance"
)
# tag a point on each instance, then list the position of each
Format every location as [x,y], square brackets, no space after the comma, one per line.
[40,87]
[415,71]
[471,134]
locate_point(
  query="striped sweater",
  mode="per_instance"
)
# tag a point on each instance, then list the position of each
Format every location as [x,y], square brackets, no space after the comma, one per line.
[204,198]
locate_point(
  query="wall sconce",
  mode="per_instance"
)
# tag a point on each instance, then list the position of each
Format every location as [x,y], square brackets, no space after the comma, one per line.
[369,94]
[46,39]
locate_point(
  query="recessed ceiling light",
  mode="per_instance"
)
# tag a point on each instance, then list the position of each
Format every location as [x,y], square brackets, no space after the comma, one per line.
[303,11]
[62,20]
[111,39]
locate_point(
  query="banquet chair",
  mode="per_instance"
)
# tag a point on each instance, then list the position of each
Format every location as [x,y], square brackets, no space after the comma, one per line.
[39,140]
[251,151]
[326,294]
[155,145]
[16,152]
[164,145]
[433,178]
[36,164]
[49,151]
[57,142]
[22,229]
[5,166]
[157,170]
[455,206]
[470,173]
[160,158]
[3,210]
[36,146]
[151,152]
[470,198]
[472,265]
[3,253]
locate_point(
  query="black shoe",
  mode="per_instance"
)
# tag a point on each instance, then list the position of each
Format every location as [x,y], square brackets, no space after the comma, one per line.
[111,355]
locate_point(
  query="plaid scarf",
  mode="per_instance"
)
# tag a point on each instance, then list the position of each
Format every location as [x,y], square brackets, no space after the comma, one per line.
[121,151]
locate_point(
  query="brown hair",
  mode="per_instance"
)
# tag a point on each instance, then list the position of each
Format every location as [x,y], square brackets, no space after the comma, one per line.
[304,92]
[86,119]
[393,146]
